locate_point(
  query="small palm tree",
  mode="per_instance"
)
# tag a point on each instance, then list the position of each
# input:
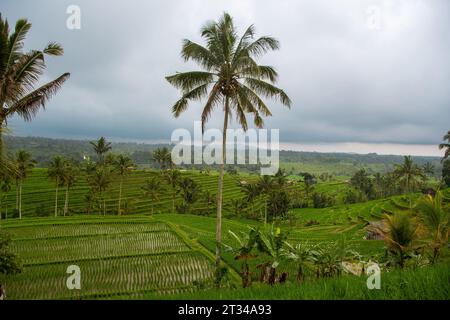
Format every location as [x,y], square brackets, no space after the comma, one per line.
[428,168]
[251,192]
[153,189]
[100,181]
[409,174]
[436,219]
[230,78]
[123,166]
[399,235]
[446,146]
[24,164]
[55,172]
[101,147]
[163,157]
[20,72]
[173,178]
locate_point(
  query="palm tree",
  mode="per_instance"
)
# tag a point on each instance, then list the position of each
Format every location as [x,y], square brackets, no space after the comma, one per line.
[436,219]
[445,145]
[24,164]
[100,181]
[20,73]
[428,168]
[230,78]
[55,172]
[153,189]
[409,174]
[301,253]
[123,166]
[251,192]
[173,178]
[68,180]
[163,157]
[101,147]
[399,236]
[266,185]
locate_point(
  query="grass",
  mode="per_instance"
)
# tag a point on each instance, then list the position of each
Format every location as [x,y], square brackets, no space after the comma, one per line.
[420,284]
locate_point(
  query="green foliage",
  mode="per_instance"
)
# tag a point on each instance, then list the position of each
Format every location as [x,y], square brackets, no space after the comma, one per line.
[322,200]
[9,263]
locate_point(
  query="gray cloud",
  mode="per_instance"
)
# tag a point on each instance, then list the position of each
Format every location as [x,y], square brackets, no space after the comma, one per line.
[348,83]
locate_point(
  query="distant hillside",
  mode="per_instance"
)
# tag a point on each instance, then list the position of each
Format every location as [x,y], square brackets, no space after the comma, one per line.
[43,149]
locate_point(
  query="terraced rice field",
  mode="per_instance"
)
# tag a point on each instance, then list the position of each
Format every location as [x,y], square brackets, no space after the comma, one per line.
[116,257]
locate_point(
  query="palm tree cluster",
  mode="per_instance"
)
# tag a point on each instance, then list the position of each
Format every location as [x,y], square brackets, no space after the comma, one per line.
[270,246]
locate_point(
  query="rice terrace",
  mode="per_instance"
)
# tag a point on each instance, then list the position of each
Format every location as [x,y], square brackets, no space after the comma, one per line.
[92,209]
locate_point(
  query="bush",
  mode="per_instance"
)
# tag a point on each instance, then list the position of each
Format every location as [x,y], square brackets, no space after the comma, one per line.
[354,196]
[321,200]
[41,211]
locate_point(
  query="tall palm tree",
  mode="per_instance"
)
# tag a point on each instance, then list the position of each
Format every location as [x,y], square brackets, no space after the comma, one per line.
[100,180]
[163,157]
[68,180]
[230,78]
[24,164]
[409,173]
[428,168]
[153,189]
[445,145]
[101,147]
[123,166]
[173,178]
[20,72]
[55,172]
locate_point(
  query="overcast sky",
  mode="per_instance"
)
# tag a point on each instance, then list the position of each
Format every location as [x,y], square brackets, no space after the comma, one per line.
[356,71]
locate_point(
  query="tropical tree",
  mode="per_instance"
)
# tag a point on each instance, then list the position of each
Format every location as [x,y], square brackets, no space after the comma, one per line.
[446,146]
[163,157]
[68,180]
[436,219]
[20,72]
[9,262]
[428,168]
[122,166]
[302,254]
[190,191]
[271,243]
[24,164]
[243,251]
[266,185]
[251,192]
[173,178]
[399,234]
[209,200]
[55,172]
[230,78]
[100,181]
[153,189]
[409,174]
[101,147]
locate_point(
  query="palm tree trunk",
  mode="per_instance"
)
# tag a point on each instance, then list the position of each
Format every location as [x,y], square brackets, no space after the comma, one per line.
[104,206]
[56,199]
[120,194]
[20,200]
[17,195]
[66,203]
[219,189]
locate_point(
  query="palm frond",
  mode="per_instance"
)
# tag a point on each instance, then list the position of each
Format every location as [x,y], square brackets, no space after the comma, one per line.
[28,106]
[186,81]
[268,90]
